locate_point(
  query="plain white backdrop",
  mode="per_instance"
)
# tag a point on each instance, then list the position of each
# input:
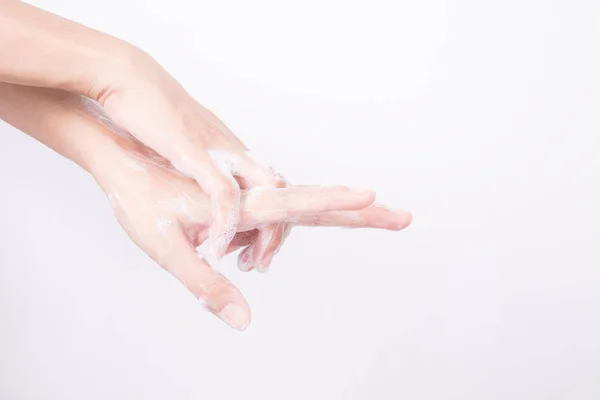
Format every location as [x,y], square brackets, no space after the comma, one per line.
[479,117]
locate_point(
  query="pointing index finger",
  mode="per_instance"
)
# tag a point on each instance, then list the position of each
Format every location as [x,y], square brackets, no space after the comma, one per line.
[261,206]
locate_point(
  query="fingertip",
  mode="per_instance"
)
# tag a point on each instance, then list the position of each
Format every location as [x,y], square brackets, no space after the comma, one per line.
[409,218]
[367,195]
[403,220]
[244,262]
[236,316]
[226,302]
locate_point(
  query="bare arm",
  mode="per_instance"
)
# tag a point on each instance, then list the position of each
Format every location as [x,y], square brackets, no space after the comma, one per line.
[39,48]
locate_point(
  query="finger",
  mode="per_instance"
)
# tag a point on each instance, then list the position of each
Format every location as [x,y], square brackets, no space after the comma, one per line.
[241,240]
[273,240]
[244,261]
[263,206]
[286,204]
[255,174]
[233,249]
[287,229]
[375,216]
[224,191]
[270,238]
[261,244]
[259,248]
[211,288]
[252,175]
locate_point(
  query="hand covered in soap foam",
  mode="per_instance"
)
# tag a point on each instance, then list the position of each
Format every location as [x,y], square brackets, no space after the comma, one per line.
[168,216]
[166,213]
[40,49]
[156,110]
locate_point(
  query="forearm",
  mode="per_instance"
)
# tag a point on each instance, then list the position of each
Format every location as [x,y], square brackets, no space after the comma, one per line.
[61,121]
[39,48]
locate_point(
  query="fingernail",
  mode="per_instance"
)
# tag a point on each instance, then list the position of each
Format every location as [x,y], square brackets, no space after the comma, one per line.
[235,316]
[245,260]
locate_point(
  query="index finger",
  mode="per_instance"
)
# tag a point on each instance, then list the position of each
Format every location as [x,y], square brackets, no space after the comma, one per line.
[262,206]
[375,216]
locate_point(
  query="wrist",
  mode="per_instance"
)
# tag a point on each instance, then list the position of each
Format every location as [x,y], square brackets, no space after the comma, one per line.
[116,69]
[108,153]
[45,50]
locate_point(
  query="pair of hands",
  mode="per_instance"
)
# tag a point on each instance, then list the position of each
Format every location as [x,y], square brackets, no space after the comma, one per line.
[168,215]
[175,175]
[165,212]
[43,50]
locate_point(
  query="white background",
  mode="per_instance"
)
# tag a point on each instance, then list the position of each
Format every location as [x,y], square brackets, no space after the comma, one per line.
[480,117]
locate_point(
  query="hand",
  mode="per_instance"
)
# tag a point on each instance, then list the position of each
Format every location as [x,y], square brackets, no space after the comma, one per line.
[167,215]
[155,109]
[163,211]
[44,50]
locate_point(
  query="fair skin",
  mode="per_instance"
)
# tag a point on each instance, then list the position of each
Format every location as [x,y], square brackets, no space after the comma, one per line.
[44,50]
[172,171]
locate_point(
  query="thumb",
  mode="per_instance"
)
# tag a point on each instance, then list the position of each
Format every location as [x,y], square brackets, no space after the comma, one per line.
[212,289]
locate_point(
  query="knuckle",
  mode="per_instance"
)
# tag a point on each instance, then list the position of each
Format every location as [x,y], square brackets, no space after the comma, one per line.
[216,287]
[227,188]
